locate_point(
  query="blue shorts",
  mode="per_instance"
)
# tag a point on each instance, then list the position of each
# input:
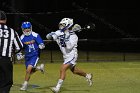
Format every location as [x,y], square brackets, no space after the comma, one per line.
[31,61]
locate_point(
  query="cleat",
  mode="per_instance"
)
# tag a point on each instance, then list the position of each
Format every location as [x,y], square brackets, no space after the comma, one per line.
[42,68]
[54,90]
[24,87]
[89,79]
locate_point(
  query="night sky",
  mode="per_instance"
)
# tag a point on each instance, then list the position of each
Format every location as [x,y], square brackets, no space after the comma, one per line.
[113,19]
[117,21]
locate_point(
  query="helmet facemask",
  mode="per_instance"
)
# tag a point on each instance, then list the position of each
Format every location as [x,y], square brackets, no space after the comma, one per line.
[62,26]
[26,28]
[27,31]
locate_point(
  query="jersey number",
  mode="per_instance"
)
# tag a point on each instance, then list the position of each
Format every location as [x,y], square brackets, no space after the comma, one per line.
[31,47]
[4,33]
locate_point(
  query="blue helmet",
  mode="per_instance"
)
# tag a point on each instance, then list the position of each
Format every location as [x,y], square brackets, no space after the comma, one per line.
[26,25]
[26,28]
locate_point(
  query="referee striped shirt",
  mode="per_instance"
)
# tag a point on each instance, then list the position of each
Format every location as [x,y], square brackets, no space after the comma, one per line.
[8,39]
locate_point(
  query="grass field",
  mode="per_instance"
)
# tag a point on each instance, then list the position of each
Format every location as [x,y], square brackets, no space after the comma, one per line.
[109,77]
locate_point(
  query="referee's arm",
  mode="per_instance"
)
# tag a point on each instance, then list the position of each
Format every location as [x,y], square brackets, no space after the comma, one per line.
[17,42]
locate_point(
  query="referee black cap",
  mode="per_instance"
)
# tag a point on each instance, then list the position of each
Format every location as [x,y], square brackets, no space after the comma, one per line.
[2,15]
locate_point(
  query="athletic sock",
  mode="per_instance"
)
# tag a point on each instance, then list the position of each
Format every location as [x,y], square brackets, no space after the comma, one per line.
[59,84]
[86,75]
[25,83]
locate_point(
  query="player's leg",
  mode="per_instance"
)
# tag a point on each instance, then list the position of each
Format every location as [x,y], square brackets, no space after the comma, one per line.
[30,70]
[41,68]
[34,63]
[30,63]
[63,70]
[66,65]
[27,77]
[78,71]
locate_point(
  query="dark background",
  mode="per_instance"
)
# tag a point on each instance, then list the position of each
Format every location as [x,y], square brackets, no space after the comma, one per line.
[117,21]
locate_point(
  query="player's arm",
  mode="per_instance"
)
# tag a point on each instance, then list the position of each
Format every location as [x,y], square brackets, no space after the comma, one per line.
[54,35]
[40,42]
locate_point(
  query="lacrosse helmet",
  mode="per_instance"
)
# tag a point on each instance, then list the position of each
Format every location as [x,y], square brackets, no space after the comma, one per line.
[65,23]
[26,28]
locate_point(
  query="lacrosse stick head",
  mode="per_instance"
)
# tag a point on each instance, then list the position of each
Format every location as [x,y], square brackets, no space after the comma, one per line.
[76,27]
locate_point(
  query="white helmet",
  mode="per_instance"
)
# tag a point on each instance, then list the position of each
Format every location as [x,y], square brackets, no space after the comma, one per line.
[65,23]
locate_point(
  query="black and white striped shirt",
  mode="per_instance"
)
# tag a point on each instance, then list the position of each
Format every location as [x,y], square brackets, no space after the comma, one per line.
[8,39]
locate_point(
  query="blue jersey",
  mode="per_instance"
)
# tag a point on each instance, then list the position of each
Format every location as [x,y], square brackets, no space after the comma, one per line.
[31,43]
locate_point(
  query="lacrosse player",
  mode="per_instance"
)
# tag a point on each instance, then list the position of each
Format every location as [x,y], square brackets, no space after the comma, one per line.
[67,41]
[32,43]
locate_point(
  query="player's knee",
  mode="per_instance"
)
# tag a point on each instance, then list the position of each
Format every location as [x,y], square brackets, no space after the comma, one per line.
[62,70]
[33,70]
[73,69]
[28,71]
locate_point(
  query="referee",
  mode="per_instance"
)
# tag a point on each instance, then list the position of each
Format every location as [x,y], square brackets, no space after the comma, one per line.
[8,39]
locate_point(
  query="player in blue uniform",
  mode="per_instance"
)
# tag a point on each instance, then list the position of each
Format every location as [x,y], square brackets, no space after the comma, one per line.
[32,43]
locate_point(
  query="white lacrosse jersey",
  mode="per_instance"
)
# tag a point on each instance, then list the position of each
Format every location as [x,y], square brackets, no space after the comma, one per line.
[68,46]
